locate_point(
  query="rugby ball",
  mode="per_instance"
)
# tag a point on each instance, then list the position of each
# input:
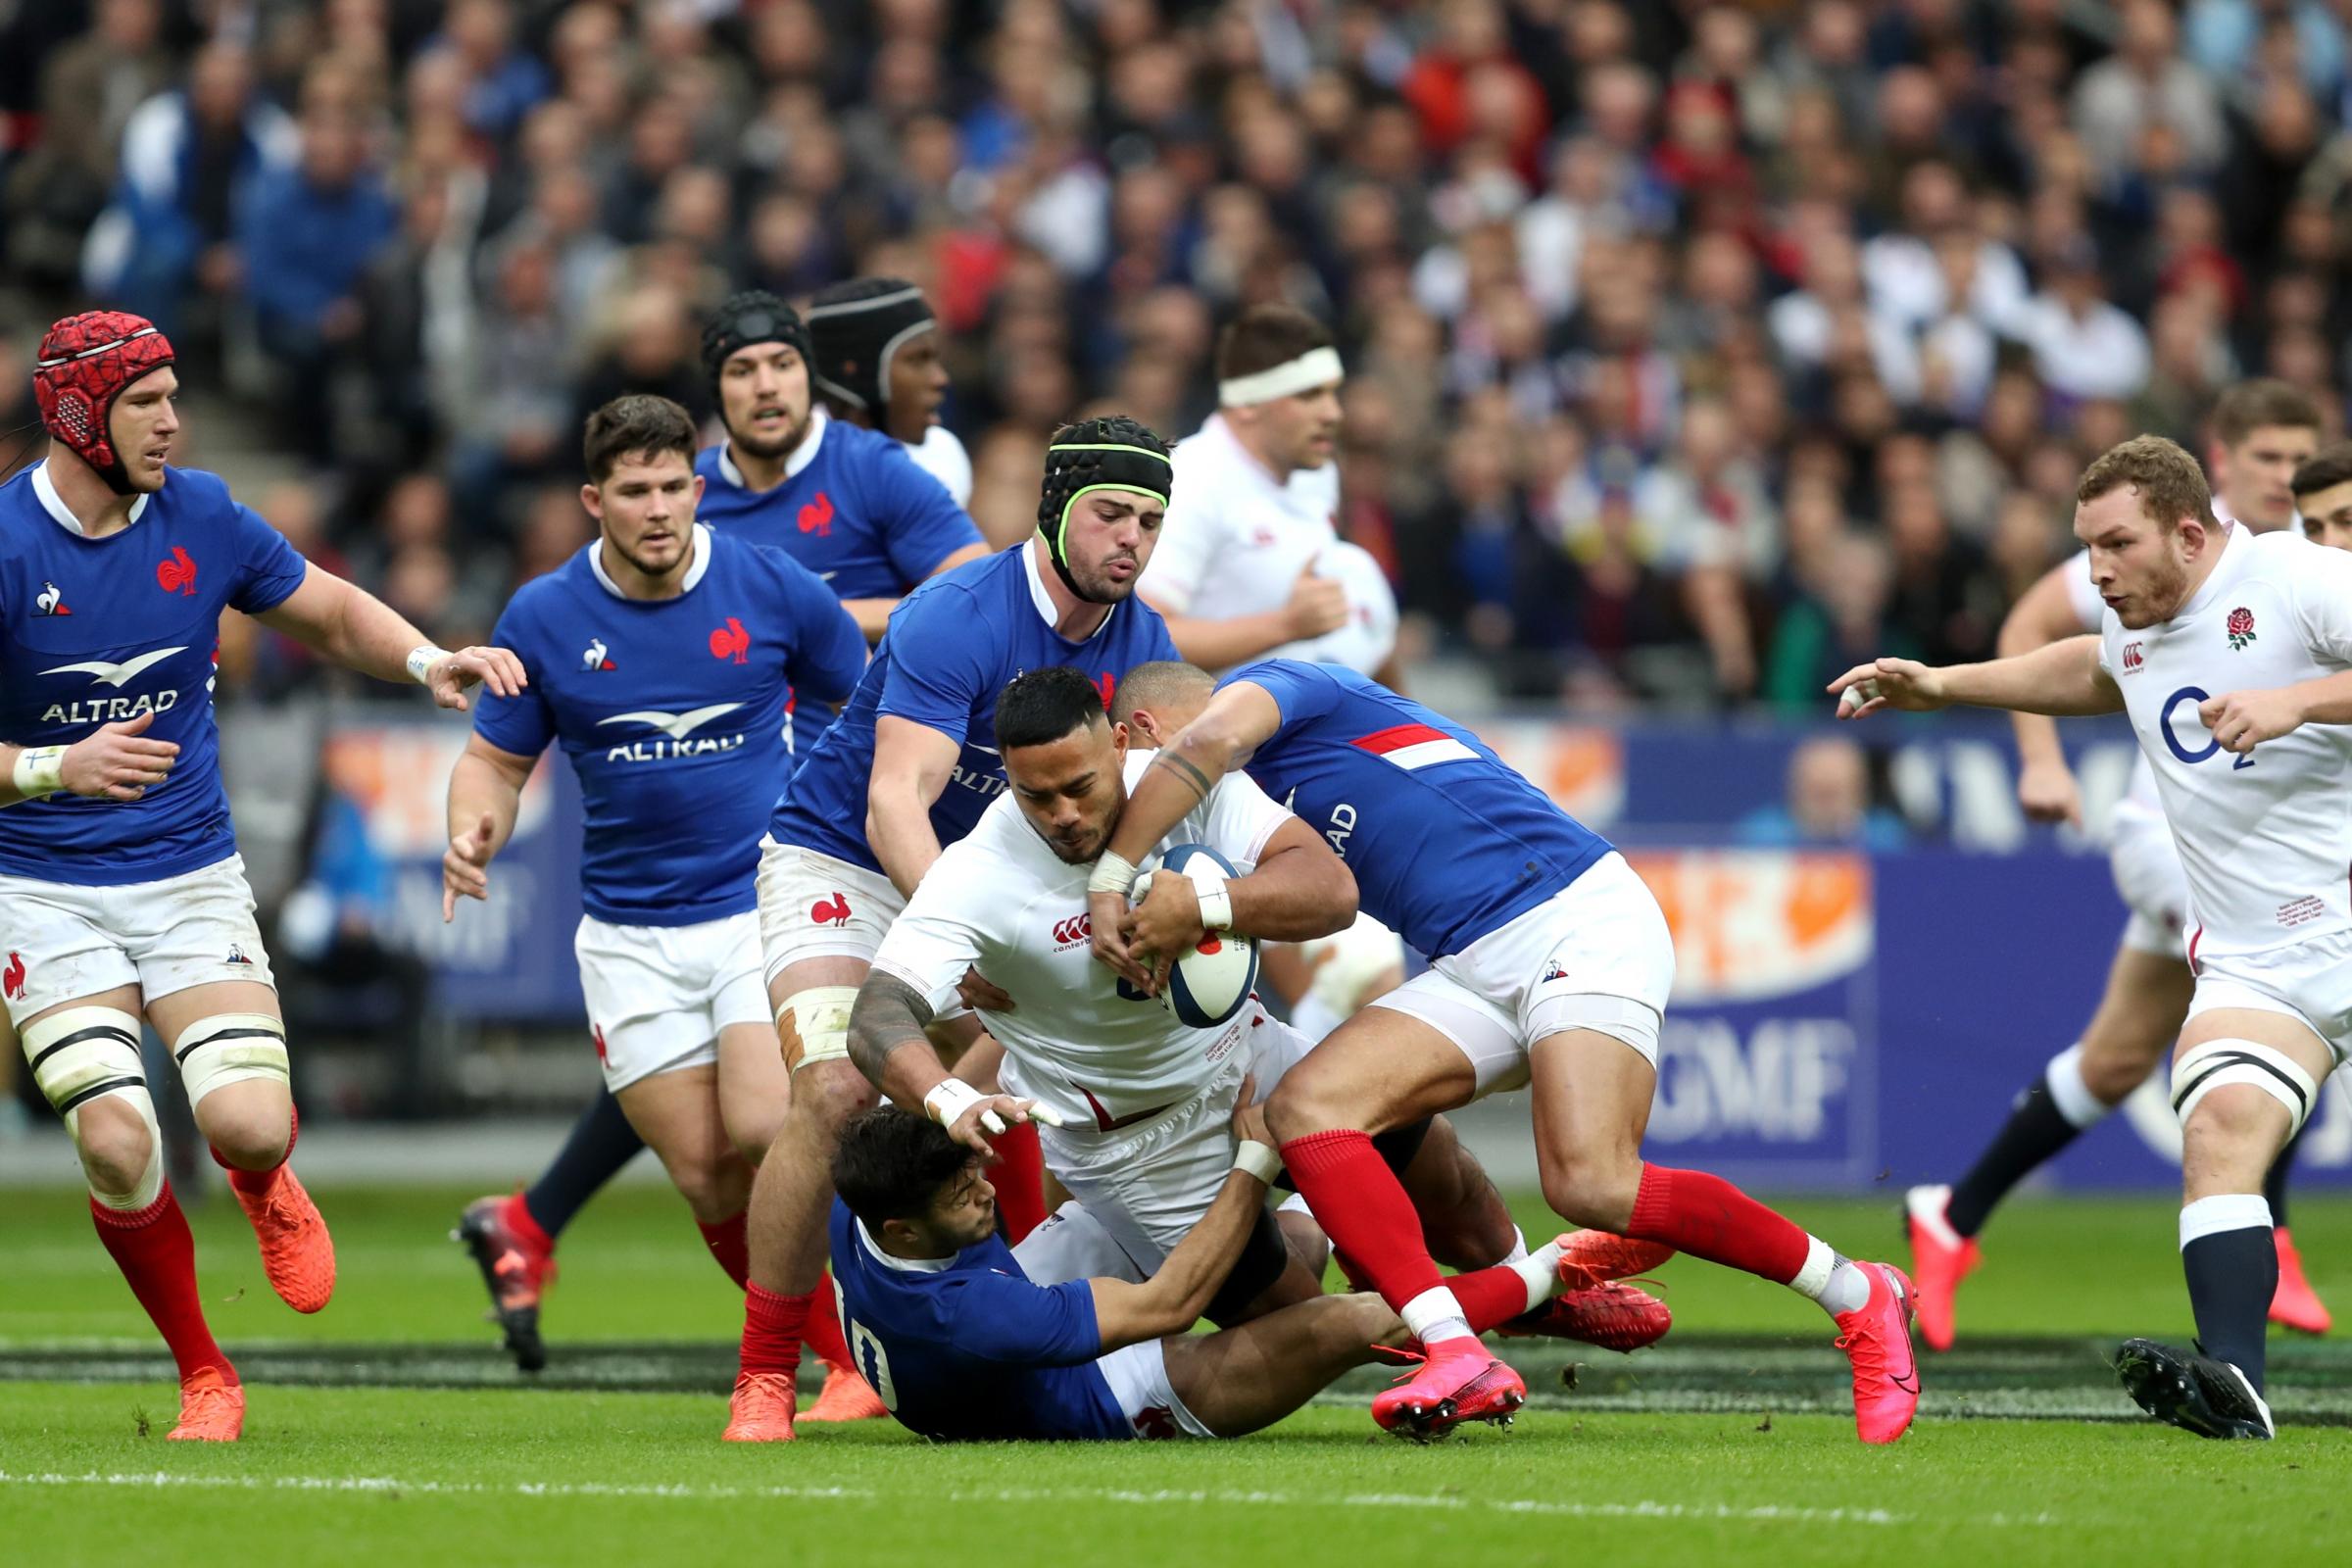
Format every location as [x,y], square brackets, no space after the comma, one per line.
[1207,985]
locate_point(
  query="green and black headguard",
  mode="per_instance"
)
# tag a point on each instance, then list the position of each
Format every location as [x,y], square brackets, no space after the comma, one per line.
[1113,453]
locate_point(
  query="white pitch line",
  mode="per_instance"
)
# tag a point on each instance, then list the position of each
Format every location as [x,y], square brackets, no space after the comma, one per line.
[1543,1507]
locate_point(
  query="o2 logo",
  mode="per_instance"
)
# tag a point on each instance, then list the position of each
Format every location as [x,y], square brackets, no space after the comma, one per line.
[2193,696]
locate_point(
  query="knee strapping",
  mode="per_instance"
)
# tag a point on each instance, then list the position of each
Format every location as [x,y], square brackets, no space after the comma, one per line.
[232,1048]
[2204,1069]
[86,1054]
[820,1024]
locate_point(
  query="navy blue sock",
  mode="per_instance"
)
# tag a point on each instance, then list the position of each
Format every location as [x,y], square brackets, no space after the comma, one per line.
[2231,1277]
[602,1140]
[2036,1131]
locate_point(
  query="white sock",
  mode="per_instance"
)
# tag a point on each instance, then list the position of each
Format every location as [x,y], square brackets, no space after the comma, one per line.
[1518,1245]
[1540,1269]
[2223,1212]
[2068,1092]
[1434,1316]
[1830,1279]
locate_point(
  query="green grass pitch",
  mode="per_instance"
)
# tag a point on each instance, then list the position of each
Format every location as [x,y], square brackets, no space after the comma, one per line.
[390,1429]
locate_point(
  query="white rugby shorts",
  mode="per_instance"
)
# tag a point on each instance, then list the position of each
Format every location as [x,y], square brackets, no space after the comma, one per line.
[62,943]
[1073,1244]
[1139,1380]
[2309,981]
[659,994]
[1147,1184]
[1596,955]
[815,906]
[2152,885]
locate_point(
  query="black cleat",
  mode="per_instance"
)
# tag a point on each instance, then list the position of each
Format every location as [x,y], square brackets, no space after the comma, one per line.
[2192,1392]
[516,1274]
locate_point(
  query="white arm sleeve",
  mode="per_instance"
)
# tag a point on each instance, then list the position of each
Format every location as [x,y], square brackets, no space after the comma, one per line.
[2081,593]
[2320,586]
[941,932]
[1189,540]
[1236,820]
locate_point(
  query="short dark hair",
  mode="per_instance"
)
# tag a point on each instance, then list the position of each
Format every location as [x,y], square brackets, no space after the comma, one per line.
[1266,335]
[891,1164]
[2171,484]
[2324,468]
[636,424]
[1041,706]
[2249,406]
[1148,685]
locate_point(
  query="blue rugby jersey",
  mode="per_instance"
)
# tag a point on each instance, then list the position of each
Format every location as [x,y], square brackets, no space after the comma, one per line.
[674,714]
[951,649]
[102,630]
[856,511]
[1447,841]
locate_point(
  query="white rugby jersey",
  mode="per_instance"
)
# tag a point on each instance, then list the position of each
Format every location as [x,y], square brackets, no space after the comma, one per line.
[2139,795]
[1235,542]
[1079,1038]
[2266,839]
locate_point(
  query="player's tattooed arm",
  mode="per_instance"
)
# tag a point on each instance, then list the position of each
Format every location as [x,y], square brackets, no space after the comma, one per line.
[1187,773]
[891,1015]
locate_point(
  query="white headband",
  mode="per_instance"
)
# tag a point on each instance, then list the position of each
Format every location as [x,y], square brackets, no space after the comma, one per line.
[1310,370]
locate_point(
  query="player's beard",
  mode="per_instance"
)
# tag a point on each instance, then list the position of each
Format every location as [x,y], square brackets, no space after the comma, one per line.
[2162,599]
[1097,588]
[783,446]
[653,573]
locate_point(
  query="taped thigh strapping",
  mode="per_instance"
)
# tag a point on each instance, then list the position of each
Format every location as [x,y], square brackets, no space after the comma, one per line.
[2204,1069]
[230,1048]
[814,1025]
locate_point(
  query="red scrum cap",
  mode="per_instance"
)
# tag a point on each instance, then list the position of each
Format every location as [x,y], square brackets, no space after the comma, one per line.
[84,364]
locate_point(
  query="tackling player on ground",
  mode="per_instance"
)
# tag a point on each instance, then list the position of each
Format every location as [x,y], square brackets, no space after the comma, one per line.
[661,658]
[121,893]
[1549,967]
[2262,430]
[965,1346]
[899,774]
[2231,652]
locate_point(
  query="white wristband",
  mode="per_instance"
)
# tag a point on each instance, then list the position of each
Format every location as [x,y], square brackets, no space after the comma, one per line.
[950,1098]
[421,659]
[1216,907]
[1258,1160]
[1112,874]
[40,770]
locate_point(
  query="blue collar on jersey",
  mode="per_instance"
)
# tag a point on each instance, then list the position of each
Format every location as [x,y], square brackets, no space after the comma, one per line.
[800,456]
[905,1265]
[44,490]
[694,573]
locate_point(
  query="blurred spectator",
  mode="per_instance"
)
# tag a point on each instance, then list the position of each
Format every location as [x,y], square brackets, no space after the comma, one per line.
[1827,804]
[89,89]
[305,237]
[1641,304]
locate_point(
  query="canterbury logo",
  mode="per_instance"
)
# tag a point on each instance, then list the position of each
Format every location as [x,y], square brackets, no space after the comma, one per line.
[1077,928]
[117,675]
[677,726]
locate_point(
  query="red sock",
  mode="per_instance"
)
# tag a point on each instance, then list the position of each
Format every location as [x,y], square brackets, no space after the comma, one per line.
[1708,1217]
[157,1256]
[771,1329]
[517,1216]
[257,1183]
[823,1337]
[728,1245]
[1489,1296]
[1019,1178]
[1361,1207]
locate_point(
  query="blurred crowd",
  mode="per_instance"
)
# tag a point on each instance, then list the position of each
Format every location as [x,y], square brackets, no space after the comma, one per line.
[1692,344]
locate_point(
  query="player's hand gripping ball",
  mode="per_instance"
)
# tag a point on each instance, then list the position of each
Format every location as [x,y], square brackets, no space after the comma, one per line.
[1207,985]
